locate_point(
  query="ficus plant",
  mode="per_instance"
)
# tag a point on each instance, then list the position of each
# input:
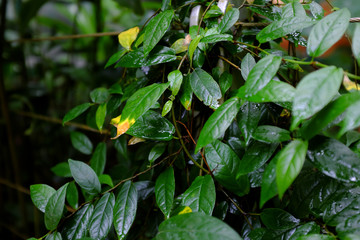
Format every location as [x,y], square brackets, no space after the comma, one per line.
[219,132]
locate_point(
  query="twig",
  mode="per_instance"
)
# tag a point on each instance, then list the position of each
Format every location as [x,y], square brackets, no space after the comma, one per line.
[59,121]
[17,187]
[13,230]
[203,15]
[232,64]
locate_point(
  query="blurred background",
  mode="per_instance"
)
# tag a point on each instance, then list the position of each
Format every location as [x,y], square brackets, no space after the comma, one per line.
[43,74]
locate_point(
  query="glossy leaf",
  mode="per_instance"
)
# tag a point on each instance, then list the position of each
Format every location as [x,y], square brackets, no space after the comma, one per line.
[225,166]
[75,112]
[355,43]
[314,92]
[255,156]
[327,32]
[72,195]
[54,208]
[351,118]
[102,217]
[225,82]
[278,219]
[156,29]
[200,196]
[40,195]
[127,37]
[145,189]
[81,142]
[151,125]
[268,185]
[194,226]
[115,57]
[106,179]
[229,19]
[349,228]
[175,79]
[99,95]
[261,74]
[205,88]
[271,134]
[156,152]
[53,236]
[76,227]
[187,93]
[167,107]
[293,9]
[98,159]
[246,65]
[290,163]
[100,115]
[214,38]
[248,118]
[138,104]
[218,122]
[316,10]
[125,209]
[192,47]
[165,191]
[61,169]
[283,27]
[85,176]
[316,237]
[328,114]
[335,160]
[303,230]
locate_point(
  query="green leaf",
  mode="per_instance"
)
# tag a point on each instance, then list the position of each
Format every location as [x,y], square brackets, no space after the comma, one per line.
[125,209]
[261,74]
[229,19]
[328,114]
[187,93]
[205,88]
[327,32]
[75,112]
[115,57]
[116,89]
[72,195]
[166,4]
[271,134]
[268,185]
[85,176]
[256,156]
[81,142]
[225,166]
[290,162]
[106,179]
[100,115]
[192,47]
[214,38]
[156,29]
[53,236]
[247,64]
[40,195]
[314,92]
[165,191]
[307,228]
[283,27]
[156,152]
[61,169]
[335,160]
[351,118]
[249,117]
[274,91]
[99,95]
[98,159]
[349,228]
[316,10]
[175,79]
[167,107]
[278,219]
[214,11]
[293,9]
[316,237]
[145,189]
[77,226]
[193,226]
[225,82]
[218,122]
[102,217]
[153,126]
[200,196]
[355,43]
[54,208]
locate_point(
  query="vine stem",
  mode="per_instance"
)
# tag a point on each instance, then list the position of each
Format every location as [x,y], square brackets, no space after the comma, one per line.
[183,144]
[203,15]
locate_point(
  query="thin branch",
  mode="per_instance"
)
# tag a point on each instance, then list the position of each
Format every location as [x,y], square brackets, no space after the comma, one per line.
[17,187]
[232,64]
[203,15]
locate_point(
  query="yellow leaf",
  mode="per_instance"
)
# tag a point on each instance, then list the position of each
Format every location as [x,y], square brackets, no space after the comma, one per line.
[185,210]
[350,85]
[128,37]
[135,140]
[122,126]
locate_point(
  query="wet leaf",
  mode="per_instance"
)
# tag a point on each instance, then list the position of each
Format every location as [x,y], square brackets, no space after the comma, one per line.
[268,185]
[271,134]
[156,152]
[187,93]
[72,195]
[225,82]
[316,10]
[351,118]
[167,107]
[355,43]
[98,159]
[307,228]
[278,219]
[115,57]
[327,32]
[75,112]
[85,176]
[81,142]
[61,169]
[76,227]
[175,79]
[165,191]
[40,195]
[54,208]
[200,196]
[246,65]
[99,95]
[214,38]
[229,19]
[100,115]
